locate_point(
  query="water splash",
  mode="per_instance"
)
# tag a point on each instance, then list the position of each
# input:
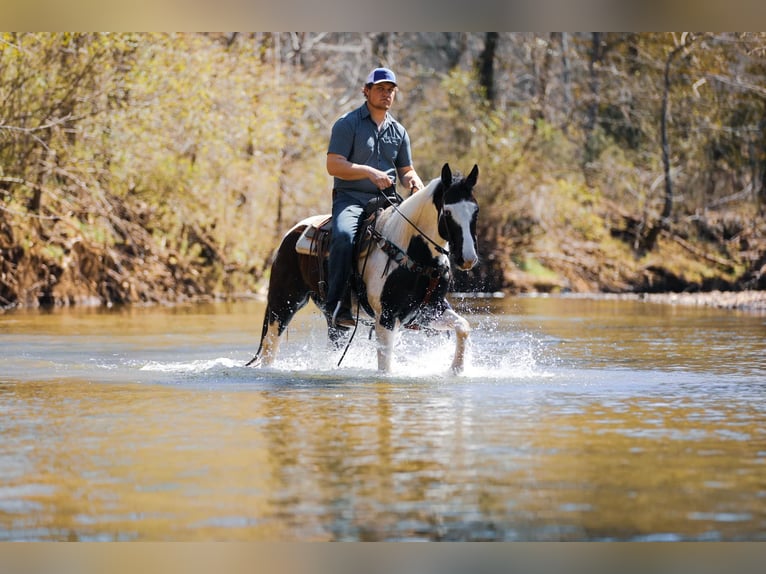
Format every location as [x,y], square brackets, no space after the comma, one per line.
[492,355]
[196,366]
[418,355]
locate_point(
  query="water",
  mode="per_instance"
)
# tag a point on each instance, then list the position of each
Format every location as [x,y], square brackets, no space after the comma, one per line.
[574,420]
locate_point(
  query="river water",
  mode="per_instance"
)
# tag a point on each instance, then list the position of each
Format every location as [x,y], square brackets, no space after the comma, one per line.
[574,420]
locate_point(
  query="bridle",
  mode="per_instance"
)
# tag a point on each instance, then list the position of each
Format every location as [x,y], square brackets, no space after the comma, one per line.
[424,235]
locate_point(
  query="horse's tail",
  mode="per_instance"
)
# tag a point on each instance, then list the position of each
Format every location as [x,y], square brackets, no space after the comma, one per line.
[264,330]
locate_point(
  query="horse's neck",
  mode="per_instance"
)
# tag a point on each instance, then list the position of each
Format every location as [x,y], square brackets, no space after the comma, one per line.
[420,210]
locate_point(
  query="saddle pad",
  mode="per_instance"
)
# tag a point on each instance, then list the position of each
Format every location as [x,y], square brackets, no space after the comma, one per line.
[316,226]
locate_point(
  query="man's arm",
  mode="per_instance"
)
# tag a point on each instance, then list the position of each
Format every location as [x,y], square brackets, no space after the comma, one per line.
[410,179]
[339,166]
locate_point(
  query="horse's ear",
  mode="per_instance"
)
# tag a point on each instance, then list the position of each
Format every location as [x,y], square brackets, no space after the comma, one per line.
[446,175]
[473,176]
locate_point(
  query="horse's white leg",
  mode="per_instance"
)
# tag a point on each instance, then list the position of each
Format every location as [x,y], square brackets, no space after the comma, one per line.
[385,339]
[270,345]
[462,328]
[451,320]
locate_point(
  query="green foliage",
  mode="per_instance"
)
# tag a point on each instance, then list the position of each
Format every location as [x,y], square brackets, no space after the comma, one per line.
[537,269]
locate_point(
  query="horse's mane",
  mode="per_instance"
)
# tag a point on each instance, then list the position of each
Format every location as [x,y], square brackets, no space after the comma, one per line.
[417,200]
[413,208]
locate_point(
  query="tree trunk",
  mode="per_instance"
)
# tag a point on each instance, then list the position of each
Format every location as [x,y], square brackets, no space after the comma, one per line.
[759,182]
[594,84]
[566,78]
[456,46]
[667,208]
[486,66]
[537,112]
[381,46]
[668,205]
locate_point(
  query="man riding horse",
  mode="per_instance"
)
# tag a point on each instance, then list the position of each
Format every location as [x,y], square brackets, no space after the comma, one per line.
[368,148]
[403,268]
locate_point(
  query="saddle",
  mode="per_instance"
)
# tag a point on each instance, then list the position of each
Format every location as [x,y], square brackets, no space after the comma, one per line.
[315,239]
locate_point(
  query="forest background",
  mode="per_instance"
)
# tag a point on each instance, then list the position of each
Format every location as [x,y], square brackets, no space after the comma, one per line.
[142,168]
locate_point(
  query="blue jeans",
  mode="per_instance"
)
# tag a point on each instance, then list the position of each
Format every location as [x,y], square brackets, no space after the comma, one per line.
[347,206]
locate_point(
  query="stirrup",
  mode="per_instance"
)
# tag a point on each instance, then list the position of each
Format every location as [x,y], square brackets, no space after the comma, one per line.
[341,317]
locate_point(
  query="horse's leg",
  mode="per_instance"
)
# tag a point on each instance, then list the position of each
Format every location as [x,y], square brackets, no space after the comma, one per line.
[288,293]
[385,339]
[451,320]
[269,343]
[279,313]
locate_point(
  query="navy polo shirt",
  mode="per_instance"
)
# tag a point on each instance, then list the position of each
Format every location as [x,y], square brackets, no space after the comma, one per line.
[356,137]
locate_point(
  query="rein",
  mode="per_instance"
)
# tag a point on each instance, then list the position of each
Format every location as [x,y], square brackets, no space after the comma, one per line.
[396,254]
[438,247]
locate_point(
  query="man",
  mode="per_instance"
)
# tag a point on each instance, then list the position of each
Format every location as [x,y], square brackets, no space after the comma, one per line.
[368,149]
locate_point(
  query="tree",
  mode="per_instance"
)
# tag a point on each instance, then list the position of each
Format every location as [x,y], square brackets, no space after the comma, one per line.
[486,66]
[648,242]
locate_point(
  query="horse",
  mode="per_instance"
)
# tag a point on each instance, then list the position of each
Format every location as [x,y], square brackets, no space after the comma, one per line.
[401,274]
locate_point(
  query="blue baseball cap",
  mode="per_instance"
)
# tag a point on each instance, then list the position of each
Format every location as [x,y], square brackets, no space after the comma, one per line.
[379,75]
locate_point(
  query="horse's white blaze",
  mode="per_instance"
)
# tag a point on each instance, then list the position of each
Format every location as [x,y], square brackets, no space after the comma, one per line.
[462,213]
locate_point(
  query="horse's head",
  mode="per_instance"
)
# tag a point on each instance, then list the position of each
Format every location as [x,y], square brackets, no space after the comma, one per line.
[458,212]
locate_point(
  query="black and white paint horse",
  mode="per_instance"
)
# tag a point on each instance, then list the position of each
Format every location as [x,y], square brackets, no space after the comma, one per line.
[402,278]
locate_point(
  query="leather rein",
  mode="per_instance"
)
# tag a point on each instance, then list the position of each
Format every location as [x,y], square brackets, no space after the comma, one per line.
[396,254]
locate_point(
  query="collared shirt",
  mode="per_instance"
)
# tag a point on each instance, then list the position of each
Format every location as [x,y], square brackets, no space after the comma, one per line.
[356,137]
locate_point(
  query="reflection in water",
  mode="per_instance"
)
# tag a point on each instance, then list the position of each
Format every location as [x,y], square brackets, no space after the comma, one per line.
[575,420]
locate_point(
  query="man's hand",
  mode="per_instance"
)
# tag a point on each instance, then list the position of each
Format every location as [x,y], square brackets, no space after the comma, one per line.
[380,179]
[339,166]
[414,182]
